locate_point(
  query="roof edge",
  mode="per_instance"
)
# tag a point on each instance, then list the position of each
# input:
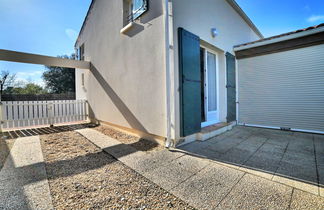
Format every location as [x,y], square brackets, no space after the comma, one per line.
[280,38]
[84,21]
[239,10]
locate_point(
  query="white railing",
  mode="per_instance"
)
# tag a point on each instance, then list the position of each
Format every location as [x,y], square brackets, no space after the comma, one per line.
[18,114]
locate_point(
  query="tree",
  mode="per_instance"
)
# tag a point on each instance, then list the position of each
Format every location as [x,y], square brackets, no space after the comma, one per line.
[30,88]
[59,79]
[7,80]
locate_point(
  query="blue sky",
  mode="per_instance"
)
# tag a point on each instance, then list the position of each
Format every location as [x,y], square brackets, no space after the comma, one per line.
[47,27]
[274,17]
[50,27]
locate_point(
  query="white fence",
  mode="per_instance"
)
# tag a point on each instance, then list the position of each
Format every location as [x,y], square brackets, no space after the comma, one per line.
[17,114]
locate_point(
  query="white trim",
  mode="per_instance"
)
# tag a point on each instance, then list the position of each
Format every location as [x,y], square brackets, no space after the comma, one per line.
[225,62]
[237,90]
[207,123]
[279,39]
[168,142]
[278,128]
[246,18]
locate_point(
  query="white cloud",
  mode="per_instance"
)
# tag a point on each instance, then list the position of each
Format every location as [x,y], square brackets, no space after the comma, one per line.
[23,77]
[315,18]
[72,34]
[307,8]
[28,74]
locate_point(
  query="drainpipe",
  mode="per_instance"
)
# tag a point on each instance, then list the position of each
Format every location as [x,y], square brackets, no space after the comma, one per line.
[168,142]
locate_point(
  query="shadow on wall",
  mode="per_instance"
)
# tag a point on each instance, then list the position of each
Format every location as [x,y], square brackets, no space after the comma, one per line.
[155,11]
[121,106]
[136,28]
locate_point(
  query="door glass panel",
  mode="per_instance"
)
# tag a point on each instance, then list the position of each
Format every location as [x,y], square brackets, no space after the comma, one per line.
[212,87]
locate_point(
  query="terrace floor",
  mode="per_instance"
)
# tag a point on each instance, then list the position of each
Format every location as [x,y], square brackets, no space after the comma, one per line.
[82,167]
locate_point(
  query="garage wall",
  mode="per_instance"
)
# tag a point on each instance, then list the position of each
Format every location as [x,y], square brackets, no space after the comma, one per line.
[283,89]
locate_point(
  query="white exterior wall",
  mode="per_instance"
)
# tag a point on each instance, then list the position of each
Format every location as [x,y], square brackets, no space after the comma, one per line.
[132,67]
[199,17]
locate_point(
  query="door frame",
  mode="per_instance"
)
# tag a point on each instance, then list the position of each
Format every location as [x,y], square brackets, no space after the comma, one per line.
[213,121]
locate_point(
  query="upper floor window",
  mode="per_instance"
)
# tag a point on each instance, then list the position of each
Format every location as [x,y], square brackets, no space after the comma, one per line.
[81,52]
[136,9]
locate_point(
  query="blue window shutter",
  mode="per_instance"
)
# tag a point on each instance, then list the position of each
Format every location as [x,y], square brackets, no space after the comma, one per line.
[190,82]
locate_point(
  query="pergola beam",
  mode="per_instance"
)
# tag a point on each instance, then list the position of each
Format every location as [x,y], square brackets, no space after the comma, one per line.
[14,56]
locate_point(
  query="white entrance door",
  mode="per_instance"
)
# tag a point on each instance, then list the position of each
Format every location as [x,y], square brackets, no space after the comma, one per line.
[211,88]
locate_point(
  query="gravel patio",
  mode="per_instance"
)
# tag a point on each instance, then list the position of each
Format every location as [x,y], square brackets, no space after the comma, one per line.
[81,167]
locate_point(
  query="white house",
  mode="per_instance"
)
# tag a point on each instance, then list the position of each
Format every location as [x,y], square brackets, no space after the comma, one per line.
[166,69]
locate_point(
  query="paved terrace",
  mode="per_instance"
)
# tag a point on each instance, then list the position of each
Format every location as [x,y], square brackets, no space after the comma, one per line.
[245,168]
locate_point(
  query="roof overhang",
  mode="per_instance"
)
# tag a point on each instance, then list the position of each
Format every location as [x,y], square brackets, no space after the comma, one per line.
[280,39]
[239,10]
[280,44]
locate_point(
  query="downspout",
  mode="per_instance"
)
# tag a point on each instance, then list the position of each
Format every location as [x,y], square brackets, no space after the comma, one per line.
[168,142]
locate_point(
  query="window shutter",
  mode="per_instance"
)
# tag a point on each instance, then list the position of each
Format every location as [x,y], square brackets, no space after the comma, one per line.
[190,83]
[231,87]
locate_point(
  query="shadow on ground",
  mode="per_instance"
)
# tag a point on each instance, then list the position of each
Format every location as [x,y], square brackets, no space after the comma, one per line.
[43,130]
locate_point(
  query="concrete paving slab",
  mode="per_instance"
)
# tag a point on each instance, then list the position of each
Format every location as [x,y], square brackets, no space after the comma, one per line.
[169,176]
[208,187]
[201,149]
[263,161]
[304,200]
[257,139]
[272,150]
[321,176]
[24,177]
[303,148]
[194,147]
[249,145]
[242,134]
[191,163]
[311,188]
[120,150]
[319,144]
[258,172]
[236,156]
[98,138]
[223,146]
[253,192]
[280,141]
[29,173]
[303,173]
[38,195]
[143,162]
[299,158]
[320,160]
[301,135]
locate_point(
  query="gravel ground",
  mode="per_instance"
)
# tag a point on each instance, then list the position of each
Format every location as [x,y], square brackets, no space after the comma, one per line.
[5,147]
[137,142]
[80,175]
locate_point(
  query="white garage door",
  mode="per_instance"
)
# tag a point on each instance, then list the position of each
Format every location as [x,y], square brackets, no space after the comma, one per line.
[284,90]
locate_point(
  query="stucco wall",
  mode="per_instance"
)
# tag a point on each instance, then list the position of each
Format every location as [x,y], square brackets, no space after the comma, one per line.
[126,85]
[199,17]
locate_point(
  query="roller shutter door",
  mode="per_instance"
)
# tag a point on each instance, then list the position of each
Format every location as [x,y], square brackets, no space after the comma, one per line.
[284,89]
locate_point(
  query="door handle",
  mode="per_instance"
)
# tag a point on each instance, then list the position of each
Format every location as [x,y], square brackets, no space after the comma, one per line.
[230,86]
[190,80]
